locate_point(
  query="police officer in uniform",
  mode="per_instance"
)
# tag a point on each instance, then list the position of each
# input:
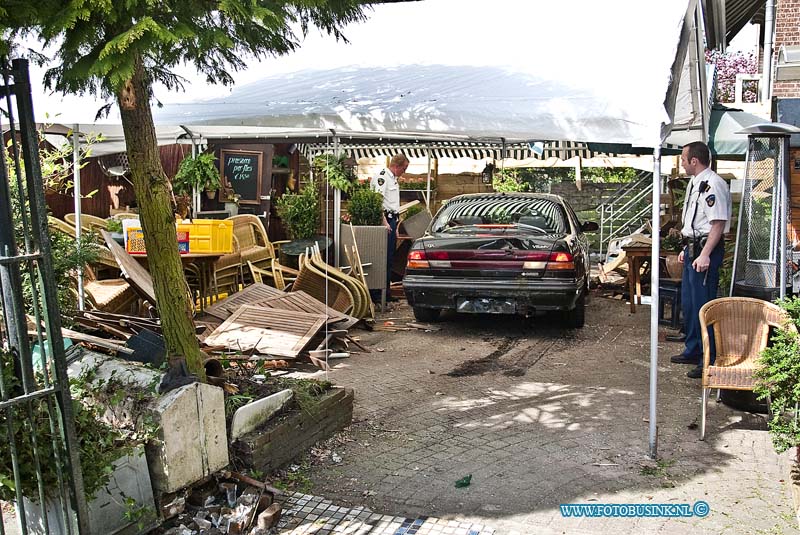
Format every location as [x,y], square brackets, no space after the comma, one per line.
[706,217]
[386,184]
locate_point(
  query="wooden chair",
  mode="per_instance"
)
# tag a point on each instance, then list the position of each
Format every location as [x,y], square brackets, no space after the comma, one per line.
[360,293]
[327,290]
[273,276]
[741,332]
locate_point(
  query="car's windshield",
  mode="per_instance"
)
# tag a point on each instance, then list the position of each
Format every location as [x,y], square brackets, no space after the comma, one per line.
[501,214]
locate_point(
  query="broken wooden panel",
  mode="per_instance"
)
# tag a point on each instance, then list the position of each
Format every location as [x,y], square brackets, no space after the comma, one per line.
[136,275]
[300,301]
[269,331]
[255,292]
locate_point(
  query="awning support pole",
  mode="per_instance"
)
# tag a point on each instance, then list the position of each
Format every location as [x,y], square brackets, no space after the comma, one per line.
[76,180]
[337,209]
[654,264]
[428,193]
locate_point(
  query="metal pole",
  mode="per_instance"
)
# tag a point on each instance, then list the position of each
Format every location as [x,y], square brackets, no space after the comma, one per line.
[76,179]
[337,210]
[428,194]
[766,68]
[654,300]
[782,220]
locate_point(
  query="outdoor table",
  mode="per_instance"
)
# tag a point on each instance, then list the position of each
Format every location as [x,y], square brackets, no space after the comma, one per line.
[205,273]
[636,255]
[292,250]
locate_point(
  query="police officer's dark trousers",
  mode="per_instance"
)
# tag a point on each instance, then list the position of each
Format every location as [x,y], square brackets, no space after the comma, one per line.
[392,219]
[697,289]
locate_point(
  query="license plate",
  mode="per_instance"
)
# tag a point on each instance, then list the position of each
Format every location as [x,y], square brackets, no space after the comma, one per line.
[486,305]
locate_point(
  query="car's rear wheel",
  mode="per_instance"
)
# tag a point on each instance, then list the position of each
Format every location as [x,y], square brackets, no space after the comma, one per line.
[426,314]
[576,318]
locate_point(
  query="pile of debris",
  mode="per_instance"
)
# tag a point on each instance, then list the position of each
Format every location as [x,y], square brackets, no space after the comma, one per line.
[230,503]
[258,323]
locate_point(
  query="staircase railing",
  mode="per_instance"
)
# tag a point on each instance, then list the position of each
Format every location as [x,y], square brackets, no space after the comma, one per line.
[626,211]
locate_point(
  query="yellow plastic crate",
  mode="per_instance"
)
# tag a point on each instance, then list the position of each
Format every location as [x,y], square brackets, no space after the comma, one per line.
[209,235]
[213,236]
[134,241]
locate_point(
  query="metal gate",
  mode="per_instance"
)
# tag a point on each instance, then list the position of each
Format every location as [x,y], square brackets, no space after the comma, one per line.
[37,432]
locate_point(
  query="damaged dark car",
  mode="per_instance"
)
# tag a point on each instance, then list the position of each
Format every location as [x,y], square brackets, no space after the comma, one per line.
[501,253]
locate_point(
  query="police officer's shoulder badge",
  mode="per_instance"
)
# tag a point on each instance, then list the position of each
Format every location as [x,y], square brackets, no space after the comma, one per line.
[711,200]
[381,180]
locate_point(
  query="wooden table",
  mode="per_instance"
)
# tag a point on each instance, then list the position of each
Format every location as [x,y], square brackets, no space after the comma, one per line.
[204,262]
[637,255]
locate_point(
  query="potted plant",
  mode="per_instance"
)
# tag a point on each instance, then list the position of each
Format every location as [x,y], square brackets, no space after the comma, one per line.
[671,246]
[366,228]
[230,199]
[300,214]
[337,170]
[197,173]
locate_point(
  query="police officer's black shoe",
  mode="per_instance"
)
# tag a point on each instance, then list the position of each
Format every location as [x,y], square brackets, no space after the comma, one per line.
[684,359]
[680,337]
[695,373]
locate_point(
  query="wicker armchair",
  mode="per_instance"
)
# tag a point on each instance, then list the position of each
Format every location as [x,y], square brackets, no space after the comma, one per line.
[89,223]
[741,331]
[104,256]
[250,244]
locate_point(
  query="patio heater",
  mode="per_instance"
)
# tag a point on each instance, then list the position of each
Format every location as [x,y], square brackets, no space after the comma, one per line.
[761,262]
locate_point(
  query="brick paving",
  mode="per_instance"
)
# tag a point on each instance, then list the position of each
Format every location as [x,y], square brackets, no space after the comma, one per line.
[542,416]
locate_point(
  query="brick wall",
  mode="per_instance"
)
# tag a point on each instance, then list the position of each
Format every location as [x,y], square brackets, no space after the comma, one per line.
[787,32]
[588,197]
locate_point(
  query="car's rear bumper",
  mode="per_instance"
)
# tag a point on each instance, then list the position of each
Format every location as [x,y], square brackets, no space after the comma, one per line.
[528,296]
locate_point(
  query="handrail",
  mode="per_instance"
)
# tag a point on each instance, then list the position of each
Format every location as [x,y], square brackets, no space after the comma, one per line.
[611,215]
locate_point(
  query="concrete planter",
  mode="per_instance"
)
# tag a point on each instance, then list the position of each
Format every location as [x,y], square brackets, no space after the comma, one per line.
[284,439]
[107,510]
[191,442]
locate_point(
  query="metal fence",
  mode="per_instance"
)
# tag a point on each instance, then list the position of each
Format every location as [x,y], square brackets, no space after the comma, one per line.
[39,461]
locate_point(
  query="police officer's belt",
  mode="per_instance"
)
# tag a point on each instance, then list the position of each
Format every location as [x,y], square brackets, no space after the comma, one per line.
[390,213]
[691,241]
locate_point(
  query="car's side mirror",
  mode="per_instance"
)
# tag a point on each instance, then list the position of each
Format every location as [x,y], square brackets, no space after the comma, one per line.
[590,226]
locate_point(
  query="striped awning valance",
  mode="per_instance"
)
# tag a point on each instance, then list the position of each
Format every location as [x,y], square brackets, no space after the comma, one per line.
[452,149]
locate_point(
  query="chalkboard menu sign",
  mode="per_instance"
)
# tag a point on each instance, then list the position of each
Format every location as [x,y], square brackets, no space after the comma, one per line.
[242,171]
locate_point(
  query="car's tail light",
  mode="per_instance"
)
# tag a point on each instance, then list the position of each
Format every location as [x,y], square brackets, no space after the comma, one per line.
[559,261]
[560,264]
[417,260]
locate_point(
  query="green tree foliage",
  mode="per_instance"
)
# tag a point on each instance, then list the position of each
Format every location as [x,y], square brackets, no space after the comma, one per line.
[779,378]
[119,49]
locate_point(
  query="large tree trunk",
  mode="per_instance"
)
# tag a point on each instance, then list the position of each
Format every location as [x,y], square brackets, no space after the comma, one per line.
[154,196]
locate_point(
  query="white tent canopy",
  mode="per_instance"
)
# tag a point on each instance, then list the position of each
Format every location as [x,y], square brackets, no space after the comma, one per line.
[609,72]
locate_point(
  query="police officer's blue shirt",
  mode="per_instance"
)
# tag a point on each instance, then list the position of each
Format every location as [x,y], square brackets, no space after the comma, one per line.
[708,199]
[386,184]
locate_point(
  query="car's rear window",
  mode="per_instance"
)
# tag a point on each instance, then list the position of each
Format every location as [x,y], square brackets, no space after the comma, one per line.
[542,216]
